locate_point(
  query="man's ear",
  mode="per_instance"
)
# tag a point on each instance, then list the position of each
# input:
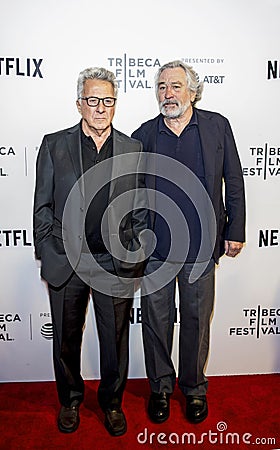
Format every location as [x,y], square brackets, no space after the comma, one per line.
[78,106]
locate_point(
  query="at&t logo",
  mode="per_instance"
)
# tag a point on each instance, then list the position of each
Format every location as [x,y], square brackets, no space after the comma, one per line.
[47,331]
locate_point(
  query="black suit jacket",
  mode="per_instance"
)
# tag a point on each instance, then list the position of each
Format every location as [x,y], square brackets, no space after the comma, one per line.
[222,171]
[59,166]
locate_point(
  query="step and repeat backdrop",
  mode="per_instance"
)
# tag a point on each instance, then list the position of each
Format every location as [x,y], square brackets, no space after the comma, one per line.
[234,47]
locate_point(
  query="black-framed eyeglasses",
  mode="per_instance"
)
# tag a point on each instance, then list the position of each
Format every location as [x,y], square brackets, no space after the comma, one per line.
[94,101]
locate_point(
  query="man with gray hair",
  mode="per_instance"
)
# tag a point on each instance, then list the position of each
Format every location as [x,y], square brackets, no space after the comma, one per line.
[200,145]
[73,228]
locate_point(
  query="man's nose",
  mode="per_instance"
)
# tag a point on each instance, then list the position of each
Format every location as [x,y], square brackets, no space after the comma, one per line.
[100,107]
[168,92]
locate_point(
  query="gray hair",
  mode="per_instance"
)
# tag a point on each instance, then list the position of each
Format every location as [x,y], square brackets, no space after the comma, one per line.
[96,73]
[192,78]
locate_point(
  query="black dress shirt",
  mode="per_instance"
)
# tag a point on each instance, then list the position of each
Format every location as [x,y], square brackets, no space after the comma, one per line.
[90,157]
[185,149]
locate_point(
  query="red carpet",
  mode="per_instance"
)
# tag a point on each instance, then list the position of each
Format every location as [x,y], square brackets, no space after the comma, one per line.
[244,412]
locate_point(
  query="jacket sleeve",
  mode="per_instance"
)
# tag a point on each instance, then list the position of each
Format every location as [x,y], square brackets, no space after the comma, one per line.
[43,198]
[234,189]
[140,211]
[139,216]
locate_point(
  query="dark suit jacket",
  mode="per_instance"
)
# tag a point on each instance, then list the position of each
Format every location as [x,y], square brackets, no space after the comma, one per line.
[59,166]
[222,165]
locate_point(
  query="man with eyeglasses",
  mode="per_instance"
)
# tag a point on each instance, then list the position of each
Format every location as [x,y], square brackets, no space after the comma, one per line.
[74,227]
[201,150]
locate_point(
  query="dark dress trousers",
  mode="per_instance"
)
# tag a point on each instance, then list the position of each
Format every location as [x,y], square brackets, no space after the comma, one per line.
[221,167]
[59,167]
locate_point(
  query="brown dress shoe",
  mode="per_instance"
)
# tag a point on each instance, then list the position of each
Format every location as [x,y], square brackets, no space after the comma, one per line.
[115,422]
[68,419]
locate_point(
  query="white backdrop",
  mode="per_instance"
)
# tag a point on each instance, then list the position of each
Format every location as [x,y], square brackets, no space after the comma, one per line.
[234,46]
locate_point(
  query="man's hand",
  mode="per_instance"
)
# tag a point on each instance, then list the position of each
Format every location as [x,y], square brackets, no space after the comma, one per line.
[233,248]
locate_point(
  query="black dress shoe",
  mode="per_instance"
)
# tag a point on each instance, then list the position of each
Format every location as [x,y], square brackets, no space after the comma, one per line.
[158,407]
[68,419]
[197,409]
[115,421]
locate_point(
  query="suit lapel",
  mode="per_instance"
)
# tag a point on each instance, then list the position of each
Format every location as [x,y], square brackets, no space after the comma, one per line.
[209,144]
[117,150]
[73,139]
[150,146]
